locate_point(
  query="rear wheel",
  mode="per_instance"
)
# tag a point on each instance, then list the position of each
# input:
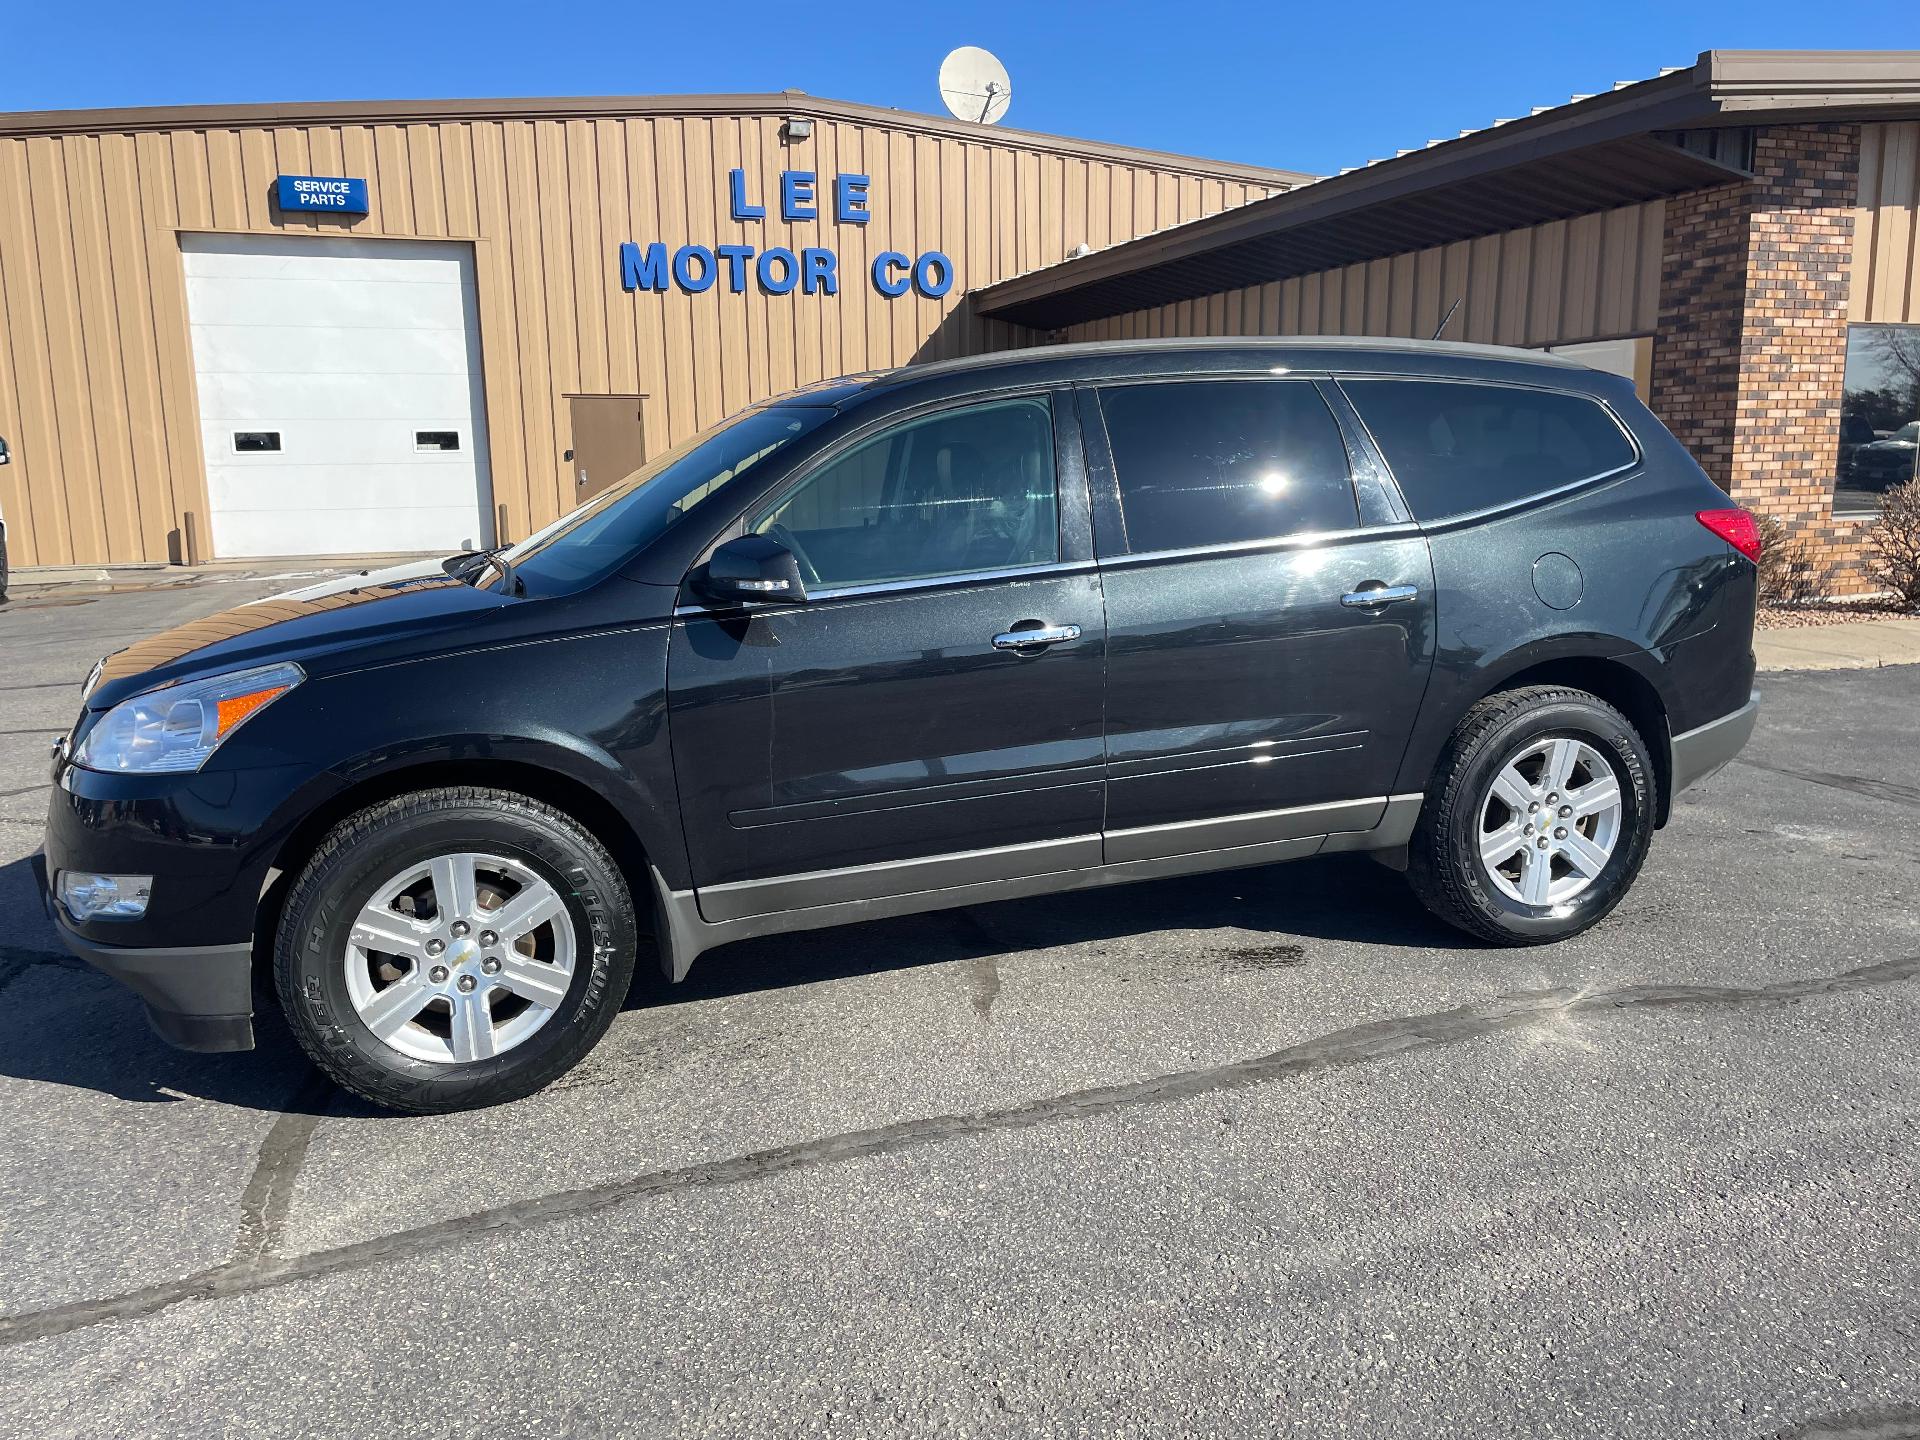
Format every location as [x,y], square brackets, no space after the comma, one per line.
[454,948]
[1539,817]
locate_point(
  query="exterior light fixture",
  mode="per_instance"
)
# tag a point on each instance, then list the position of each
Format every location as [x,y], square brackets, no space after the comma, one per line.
[796,127]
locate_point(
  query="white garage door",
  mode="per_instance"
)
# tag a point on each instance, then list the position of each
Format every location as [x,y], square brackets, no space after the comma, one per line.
[340,398]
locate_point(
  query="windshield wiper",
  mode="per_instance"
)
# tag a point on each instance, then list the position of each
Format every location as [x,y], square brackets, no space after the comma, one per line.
[470,565]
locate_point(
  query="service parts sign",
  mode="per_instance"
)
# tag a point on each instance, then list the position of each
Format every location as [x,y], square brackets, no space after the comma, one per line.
[335,193]
[776,269]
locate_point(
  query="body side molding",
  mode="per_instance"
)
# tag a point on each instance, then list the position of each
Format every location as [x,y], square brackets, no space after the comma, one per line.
[876,892]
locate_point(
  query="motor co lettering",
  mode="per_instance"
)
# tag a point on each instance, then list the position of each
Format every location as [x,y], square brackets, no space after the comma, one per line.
[777,269]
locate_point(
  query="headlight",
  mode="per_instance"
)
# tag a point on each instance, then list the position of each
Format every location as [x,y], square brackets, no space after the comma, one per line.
[176,727]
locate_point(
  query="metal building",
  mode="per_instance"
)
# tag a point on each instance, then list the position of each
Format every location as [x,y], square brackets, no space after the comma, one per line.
[348,329]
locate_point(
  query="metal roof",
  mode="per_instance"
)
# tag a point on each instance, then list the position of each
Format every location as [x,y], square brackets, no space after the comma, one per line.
[1594,152]
[596,107]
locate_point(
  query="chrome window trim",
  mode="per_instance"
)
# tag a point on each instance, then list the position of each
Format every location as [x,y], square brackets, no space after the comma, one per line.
[895,587]
[1303,540]
[1491,512]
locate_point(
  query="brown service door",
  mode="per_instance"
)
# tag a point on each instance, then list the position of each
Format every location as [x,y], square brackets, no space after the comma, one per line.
[608,442]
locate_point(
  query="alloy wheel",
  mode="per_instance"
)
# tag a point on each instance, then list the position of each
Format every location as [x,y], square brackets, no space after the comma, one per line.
[1550,821]
[460,958]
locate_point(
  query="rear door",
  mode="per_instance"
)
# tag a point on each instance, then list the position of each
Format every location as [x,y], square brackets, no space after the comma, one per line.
[1270,620]
[895,729]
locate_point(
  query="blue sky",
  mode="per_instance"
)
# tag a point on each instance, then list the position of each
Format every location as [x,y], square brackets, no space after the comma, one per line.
[1309,87]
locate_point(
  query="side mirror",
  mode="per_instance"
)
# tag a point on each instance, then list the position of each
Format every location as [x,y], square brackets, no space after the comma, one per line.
[751,570]
[6,455]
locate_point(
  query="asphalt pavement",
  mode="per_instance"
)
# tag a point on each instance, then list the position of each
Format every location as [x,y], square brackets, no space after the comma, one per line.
[1263,1153]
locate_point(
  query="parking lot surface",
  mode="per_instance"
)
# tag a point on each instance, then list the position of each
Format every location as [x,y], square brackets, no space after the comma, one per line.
[1269,1152]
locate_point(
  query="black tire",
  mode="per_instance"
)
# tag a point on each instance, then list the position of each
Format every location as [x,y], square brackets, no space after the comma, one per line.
[378,842]
[1443,860]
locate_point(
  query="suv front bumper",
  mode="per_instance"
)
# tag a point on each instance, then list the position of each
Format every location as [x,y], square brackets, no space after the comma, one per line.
[198,997]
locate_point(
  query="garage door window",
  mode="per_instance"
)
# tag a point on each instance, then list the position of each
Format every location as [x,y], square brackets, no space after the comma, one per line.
[1221,462]
[1457,448]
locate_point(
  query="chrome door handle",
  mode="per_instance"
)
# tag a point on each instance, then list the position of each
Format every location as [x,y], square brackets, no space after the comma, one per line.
[1045,635]
[1374,595]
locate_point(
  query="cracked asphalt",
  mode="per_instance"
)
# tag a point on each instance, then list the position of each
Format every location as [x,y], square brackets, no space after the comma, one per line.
[1261,1153]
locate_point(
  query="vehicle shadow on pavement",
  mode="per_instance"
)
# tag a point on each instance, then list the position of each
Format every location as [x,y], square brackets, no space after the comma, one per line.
[1344,898]
[65,1024]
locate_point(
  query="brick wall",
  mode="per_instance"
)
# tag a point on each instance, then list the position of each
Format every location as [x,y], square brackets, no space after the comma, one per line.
[1696,351]
[1751,351]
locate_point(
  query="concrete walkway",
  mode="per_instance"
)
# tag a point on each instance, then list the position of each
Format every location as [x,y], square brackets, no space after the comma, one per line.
[1855,645]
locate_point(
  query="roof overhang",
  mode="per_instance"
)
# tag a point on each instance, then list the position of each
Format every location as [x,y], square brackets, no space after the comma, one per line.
[1596,153]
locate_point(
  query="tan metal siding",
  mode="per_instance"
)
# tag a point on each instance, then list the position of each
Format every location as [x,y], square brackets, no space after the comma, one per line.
[1594,277]
[96,379]
[1886,228]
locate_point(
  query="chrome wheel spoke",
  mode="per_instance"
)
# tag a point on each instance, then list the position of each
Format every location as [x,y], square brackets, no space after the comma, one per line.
[1603,793]
[473,1037]
[1511,788]
[396,1005]
[1562,756]
[526,912]
[533,980]
[1536,880]
[1500,845]
[381,929]
[453,887]
[1585,856]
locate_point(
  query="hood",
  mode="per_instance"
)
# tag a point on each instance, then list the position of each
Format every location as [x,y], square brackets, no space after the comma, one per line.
[342,623]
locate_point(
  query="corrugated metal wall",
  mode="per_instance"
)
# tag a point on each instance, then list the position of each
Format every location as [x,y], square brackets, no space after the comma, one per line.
[1886,230]
[1590,278]
[96,379]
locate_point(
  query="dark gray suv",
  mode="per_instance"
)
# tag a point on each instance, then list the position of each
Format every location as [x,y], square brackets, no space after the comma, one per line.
[1036,621]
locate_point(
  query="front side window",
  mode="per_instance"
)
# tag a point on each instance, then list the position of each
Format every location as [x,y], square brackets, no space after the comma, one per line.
[1222,462]
[955,493]
[590,542]
[1457,447]
[1879,416]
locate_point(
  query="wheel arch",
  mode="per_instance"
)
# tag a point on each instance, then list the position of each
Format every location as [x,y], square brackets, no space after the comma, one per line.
[1623,683]
[553,786]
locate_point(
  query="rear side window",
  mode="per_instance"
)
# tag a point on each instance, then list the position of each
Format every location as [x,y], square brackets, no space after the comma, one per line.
[1459,447]
[1215,462]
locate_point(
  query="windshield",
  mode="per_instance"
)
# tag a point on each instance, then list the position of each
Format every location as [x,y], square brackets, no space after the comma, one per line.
[603,534]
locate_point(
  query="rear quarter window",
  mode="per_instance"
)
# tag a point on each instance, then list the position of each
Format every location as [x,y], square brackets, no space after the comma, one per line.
[1457,447]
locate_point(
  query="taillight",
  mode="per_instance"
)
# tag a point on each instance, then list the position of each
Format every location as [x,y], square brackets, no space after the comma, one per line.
[1737,527]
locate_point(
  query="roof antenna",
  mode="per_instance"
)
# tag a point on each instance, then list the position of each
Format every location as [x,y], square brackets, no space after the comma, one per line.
[1447,319]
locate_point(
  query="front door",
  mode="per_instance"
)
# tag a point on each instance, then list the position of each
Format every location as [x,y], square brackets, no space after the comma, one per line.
[895,730]
[1267,650]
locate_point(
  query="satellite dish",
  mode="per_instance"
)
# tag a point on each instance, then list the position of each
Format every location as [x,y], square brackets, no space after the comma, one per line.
[975,86]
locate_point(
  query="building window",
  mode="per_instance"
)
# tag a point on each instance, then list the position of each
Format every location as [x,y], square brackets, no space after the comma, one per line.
[1879,416]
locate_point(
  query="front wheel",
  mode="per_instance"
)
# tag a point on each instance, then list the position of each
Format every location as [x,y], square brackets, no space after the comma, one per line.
[454,948]
[1539,817]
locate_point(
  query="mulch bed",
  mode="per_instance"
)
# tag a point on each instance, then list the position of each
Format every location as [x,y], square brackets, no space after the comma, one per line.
[1838,612]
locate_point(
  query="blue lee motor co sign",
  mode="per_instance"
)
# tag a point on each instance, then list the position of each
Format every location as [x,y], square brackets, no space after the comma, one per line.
[777,270]
[335,194]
